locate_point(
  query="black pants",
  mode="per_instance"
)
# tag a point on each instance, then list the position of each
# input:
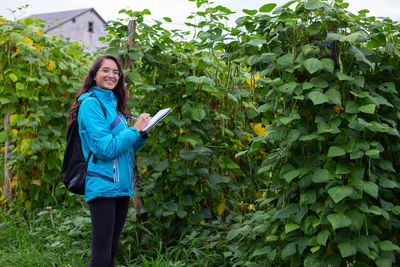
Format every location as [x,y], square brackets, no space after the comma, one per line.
[108,218]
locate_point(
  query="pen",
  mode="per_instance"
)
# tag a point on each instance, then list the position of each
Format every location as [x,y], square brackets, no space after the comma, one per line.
[129,117]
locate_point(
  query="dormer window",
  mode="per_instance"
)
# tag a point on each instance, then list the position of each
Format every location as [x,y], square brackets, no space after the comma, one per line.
[90,29]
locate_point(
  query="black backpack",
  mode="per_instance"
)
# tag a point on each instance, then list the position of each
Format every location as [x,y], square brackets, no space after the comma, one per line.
[74,167]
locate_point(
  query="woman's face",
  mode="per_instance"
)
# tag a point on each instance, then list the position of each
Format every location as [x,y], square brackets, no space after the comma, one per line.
[108,75]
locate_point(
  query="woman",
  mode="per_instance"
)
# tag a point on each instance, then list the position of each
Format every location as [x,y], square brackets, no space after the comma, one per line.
[105,132]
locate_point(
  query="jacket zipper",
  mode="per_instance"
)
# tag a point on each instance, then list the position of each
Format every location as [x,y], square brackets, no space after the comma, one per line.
[115,171]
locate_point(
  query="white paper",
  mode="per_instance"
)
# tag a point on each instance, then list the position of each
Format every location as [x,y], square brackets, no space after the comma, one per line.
[156,118]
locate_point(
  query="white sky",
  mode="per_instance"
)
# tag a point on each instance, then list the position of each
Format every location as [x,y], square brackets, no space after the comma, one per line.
[177,10]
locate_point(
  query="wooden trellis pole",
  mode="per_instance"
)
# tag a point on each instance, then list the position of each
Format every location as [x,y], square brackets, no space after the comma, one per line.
[128,62]
[7,174]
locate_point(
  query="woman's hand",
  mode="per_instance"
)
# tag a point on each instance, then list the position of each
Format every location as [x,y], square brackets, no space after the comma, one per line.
[142,121]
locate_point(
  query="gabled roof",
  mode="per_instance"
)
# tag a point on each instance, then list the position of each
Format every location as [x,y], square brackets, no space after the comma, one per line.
[57,19]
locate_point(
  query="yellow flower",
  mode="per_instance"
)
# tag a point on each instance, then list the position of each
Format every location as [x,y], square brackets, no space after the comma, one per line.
[28,40]
[251,207]
[220,208]
[245,137]
[3,150]
[259,129]
[38,48]
[50,65]
[36,182]
[38,32]
[252,81]
[15,132]
[338,108]
[144,169]
[203,222]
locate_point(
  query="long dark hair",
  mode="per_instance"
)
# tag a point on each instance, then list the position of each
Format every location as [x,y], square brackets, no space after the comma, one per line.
[119,91]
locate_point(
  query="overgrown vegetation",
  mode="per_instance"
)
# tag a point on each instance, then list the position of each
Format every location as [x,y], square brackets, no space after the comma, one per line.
[283,144]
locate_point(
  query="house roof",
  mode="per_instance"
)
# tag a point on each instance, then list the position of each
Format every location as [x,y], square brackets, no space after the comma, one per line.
[57,19]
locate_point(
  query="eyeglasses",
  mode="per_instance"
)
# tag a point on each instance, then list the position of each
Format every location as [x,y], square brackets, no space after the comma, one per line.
[108,71]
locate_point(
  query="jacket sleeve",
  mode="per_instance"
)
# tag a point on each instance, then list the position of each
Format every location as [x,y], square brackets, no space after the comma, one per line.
[139,143]
[101,142]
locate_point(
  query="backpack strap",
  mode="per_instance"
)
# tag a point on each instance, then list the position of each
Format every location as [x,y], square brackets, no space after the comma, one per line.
[101,105]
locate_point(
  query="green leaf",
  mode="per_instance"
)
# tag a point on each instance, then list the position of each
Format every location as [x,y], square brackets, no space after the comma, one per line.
[4,101]
[342,77]
[287,88]
[370,188]
[286,60]
[256,42]
[335,151]
[320,176]
[134,77]
[262,251]
[359,81]
[386,183]
[198,113]
[167,19]
[338,193]
[333,37]
[317,97]
[357,219]
[373,153]
[323,236]
[384,262]
[250,12]
[351,107]
[388,87]
[3,137]
[308,197]
[356,154]
[347,249]
[338,220]
[288,250]
[291,227]
[369,109]
[287,119]
[313,65]
[241,153]
[334,96]
[307,85]
[357,53]
[15,37]
[319,82]
[311,5]
[388,246]
[187,154]
[267,8]
[329,64]
[235,232]
[287,211]
[361,244]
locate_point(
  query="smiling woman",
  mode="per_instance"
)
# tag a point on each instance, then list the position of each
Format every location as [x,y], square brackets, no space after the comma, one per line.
[108,75]
[106,135]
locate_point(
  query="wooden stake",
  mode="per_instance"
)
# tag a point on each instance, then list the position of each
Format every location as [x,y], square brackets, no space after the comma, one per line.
[137,200]
[7,174]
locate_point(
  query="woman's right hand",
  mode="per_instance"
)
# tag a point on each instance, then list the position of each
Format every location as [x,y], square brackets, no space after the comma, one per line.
[142,121]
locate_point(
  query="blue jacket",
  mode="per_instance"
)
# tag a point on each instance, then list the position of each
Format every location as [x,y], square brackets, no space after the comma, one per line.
[113,143]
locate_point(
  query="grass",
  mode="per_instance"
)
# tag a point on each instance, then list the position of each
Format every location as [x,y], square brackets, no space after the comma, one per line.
[61,237]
